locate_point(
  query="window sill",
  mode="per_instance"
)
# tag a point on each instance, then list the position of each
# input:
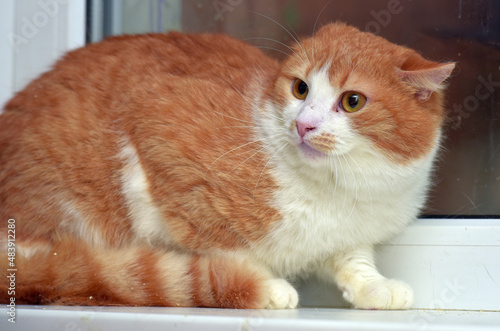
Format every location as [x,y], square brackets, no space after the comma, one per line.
[143,318]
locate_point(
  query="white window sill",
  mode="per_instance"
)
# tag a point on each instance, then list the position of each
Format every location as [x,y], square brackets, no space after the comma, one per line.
[143,318]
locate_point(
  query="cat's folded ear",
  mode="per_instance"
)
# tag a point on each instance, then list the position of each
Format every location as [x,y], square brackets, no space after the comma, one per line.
[425,76]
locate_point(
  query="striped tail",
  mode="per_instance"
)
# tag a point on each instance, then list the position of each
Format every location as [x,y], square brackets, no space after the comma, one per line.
[72,273]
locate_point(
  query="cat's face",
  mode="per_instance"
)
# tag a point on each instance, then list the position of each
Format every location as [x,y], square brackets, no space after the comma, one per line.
[344,91]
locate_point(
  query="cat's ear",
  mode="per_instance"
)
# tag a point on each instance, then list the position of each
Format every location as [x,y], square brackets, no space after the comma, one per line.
[427,80]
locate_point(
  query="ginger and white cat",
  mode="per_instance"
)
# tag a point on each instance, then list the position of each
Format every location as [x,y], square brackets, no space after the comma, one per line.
[193,170]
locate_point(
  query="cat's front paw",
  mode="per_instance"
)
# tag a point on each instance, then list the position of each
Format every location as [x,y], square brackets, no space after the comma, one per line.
[384,294]
[280,294]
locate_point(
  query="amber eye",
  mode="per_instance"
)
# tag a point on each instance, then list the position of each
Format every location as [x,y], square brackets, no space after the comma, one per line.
[300,89]
[352,101]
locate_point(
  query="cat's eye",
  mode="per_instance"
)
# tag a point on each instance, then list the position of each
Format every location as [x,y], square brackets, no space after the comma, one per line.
[352,101]
[300,89]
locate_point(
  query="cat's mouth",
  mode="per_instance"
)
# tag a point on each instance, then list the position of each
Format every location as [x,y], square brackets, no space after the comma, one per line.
[317,146]
[310,152]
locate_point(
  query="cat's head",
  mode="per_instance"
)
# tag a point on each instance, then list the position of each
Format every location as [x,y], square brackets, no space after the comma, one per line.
[344,91]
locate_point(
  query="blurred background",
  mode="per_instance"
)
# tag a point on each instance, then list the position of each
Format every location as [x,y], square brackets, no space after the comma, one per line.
[467,180]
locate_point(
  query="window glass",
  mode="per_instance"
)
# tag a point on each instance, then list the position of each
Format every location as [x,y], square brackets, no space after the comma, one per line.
[467,177]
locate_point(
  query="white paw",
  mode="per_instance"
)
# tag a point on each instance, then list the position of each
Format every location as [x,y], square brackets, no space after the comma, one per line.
[281,295]
[384,294]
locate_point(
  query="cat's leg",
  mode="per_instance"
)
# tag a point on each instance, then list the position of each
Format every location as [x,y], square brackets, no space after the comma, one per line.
[73,273]
[237,282]
[362,285]
[280,294]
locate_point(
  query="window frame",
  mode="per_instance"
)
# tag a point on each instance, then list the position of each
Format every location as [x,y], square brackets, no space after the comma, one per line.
[25,26]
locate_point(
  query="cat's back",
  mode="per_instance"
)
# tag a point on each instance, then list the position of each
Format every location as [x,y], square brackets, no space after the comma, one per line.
[119,63]
[92,86]
[102,82]
[62,137]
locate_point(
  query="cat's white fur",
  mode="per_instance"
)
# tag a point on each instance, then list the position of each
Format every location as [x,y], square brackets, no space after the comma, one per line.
[147,222]
[76,223]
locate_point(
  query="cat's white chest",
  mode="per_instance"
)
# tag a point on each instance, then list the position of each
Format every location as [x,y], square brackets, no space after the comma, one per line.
[320,220]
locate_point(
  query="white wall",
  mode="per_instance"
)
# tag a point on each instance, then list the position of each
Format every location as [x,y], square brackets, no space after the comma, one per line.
[33,34]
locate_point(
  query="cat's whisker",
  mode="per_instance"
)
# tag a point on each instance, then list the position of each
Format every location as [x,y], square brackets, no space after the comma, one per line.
[274,49]
[272,144]
[319,15]
[269,160]
[280,120]
[300,44]
[336,174]
[367,183]
[239,147]
[245,151]
[267,163]
[232,117]
[230,151]
[270,114]
[330,173]
[355,186]
[276,41]
[339,170]
[236,126]
[474,206]
[412,158]
[314,28]
[288,31]
[248,158]
[251,101]
[343,186]
[462,210]
[269,144]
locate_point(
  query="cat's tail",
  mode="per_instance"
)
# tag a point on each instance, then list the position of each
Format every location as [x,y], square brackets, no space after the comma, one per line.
[71,273]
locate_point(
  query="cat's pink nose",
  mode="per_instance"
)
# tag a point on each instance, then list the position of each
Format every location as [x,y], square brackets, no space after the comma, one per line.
[304,127]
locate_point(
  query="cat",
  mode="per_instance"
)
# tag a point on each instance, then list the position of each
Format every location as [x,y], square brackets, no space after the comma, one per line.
[193,170]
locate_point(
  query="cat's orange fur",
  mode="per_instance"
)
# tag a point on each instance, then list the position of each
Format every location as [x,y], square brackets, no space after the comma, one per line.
[185,103]
[52,154]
